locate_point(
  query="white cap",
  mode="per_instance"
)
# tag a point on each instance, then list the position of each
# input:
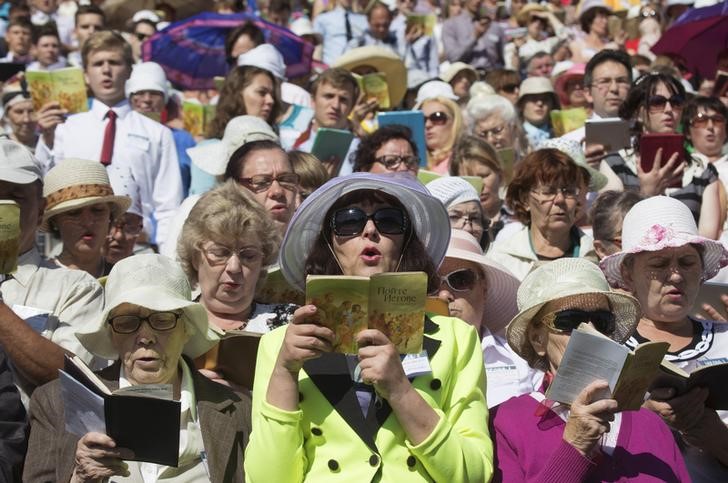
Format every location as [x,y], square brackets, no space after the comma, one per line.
[452,190]
[147,76]
[147,15]
[434,88]
[265,56]
[17,164]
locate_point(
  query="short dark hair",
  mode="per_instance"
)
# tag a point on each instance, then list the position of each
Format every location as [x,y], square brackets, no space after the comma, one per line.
[338,78]
[691,110]
[538,55]
[413,259]
[364,156]
[249,29]
[21,21]
[240,155]
[644,87]
[588,17]
[603,56]
[608,212]
[88,10]
[46,30]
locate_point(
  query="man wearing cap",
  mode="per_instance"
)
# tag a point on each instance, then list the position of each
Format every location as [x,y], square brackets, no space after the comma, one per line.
[117,136]
[338,27]
[474,38]
[483,294]
[41,306]
[147,91]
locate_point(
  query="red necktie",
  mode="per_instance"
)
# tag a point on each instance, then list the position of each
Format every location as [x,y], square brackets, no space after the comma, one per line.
[107,150]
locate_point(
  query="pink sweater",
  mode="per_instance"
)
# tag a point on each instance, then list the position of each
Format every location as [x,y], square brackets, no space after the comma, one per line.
[531,448]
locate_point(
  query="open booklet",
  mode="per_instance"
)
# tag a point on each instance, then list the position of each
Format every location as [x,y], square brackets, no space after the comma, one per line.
[590,355]
[142,418]
[393,302]
[233,357]
[65,86]
[712,376]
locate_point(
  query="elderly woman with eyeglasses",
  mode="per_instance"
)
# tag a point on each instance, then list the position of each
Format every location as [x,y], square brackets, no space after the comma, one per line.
[655,104]
[493,118]
[310,412]
[151,329]
[227,243]
[545,195]
[537,440]
[462,203]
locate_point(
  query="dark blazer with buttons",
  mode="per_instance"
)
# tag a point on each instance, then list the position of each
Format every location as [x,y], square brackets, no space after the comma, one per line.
[224,423]
[330,439]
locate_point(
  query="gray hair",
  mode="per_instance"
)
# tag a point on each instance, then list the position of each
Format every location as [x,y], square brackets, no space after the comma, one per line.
[483,106]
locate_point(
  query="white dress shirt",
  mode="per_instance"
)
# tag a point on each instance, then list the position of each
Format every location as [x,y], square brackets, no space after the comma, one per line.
[144,145]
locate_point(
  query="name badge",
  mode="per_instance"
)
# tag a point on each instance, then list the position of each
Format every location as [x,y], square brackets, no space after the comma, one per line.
[416,364]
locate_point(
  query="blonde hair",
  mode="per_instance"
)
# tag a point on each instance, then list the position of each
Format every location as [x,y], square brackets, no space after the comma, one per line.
[226,214]
[434,157]
[106,40]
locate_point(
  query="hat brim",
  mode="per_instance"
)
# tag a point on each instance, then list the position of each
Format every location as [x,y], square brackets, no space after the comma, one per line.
[211,157]
[119,206]
[428,216]
[715,257]
[202,335]
[392,67]
[625,308]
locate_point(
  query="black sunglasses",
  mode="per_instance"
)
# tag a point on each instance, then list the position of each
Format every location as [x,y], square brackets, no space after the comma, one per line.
[351,221]
[568,320]
[658,102]
[437,118]
[461,280]
[510,88]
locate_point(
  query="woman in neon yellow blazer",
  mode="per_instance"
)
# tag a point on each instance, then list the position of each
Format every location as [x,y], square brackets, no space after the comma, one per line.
[309,414]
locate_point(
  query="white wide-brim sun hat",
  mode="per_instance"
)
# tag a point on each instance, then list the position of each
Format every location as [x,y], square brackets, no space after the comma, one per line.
[157,283]
[427,215]
[657,223]
[76,183]
[558,281]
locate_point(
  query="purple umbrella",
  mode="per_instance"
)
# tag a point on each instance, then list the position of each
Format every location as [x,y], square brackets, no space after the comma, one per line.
[192,51]
[697,36]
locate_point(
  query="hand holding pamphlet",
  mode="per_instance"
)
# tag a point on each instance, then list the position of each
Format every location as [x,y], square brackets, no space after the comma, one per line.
[65,86]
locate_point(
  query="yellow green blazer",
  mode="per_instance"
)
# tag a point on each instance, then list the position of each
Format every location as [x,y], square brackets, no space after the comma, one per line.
[328,438]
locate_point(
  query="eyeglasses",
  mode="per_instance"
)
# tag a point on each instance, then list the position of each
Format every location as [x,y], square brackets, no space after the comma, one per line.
[437,118]
[648,13]
[549,193]
[262,182]
[495,132]
[393,161]
[510,88]
[459,220]
[131,229]
[218,255]
[351,221]
[128,324]
[657,103]
[461,280]
[604,83]
[701,120]
[568,320]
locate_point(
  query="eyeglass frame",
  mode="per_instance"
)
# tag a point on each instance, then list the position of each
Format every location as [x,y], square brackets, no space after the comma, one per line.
[562,190]
[248,182]
[604,83]
[702,117]
[446,279]
[409,161]
[146,319]
[216,261]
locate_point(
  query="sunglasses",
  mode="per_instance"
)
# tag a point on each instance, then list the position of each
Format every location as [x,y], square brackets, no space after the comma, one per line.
[658,103]
[510,88]
[569,320]
[351,221]
[701,120]
[437,118]
[461,280]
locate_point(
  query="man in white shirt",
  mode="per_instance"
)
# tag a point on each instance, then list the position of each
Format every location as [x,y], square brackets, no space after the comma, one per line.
[114,134]
[42,306]
[338,27]
[44,11]
[47,50]
[18,36]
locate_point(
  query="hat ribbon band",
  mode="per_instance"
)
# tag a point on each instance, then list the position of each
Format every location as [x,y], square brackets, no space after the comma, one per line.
[77,191]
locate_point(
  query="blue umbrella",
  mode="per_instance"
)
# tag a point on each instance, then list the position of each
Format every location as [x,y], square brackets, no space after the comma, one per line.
[192,51]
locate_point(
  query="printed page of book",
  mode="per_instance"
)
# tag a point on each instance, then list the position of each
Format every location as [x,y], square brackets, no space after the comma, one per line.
[69,89]
[397,308]
[639,371]
[84,410]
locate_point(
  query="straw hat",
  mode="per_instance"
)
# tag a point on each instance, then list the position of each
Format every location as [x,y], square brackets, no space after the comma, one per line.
[574,150]
[427,214]
[382,60]
[502,286]
[537,85]
[76,183]
[157,283]
[456,68]
[524,14]
[586,5]
[212,156]
[562,281]
[657,223]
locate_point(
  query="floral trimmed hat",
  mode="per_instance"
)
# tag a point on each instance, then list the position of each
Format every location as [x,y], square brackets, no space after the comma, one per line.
[657,223]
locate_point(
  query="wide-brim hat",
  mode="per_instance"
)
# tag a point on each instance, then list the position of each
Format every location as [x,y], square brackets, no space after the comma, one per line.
[457,67]
[427,214]
[536,85]
[382,60]
[576,71]
[157,283]
[501,285]
[561,281]
[586,5]
[303,26]
[657,223]
[524,14]
[76,183]
[212,155]
[17,163]
[575,151]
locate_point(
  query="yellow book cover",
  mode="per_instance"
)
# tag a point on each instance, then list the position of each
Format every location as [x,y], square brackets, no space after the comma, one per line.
[65,86]
[393,303]
[568,120]
[193,117]
[375,85]
[9,236]
[426,22]
[277,290]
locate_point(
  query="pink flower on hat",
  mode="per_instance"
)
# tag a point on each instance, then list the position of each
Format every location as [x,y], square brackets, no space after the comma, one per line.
[656,234]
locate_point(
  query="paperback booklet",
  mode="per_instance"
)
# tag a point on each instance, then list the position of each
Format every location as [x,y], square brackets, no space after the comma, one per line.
[197,117]
[392,302]
[127,415]
[65,86]
[590,356]
[277,290]
[233,357]
[712,376]
[426,22]
[567,120]
[9,236]
[375,85]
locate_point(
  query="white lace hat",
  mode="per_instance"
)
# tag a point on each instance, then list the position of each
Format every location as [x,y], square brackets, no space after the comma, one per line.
[657,223]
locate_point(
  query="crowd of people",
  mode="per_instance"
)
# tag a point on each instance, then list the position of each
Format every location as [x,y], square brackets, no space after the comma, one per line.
[174,256]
